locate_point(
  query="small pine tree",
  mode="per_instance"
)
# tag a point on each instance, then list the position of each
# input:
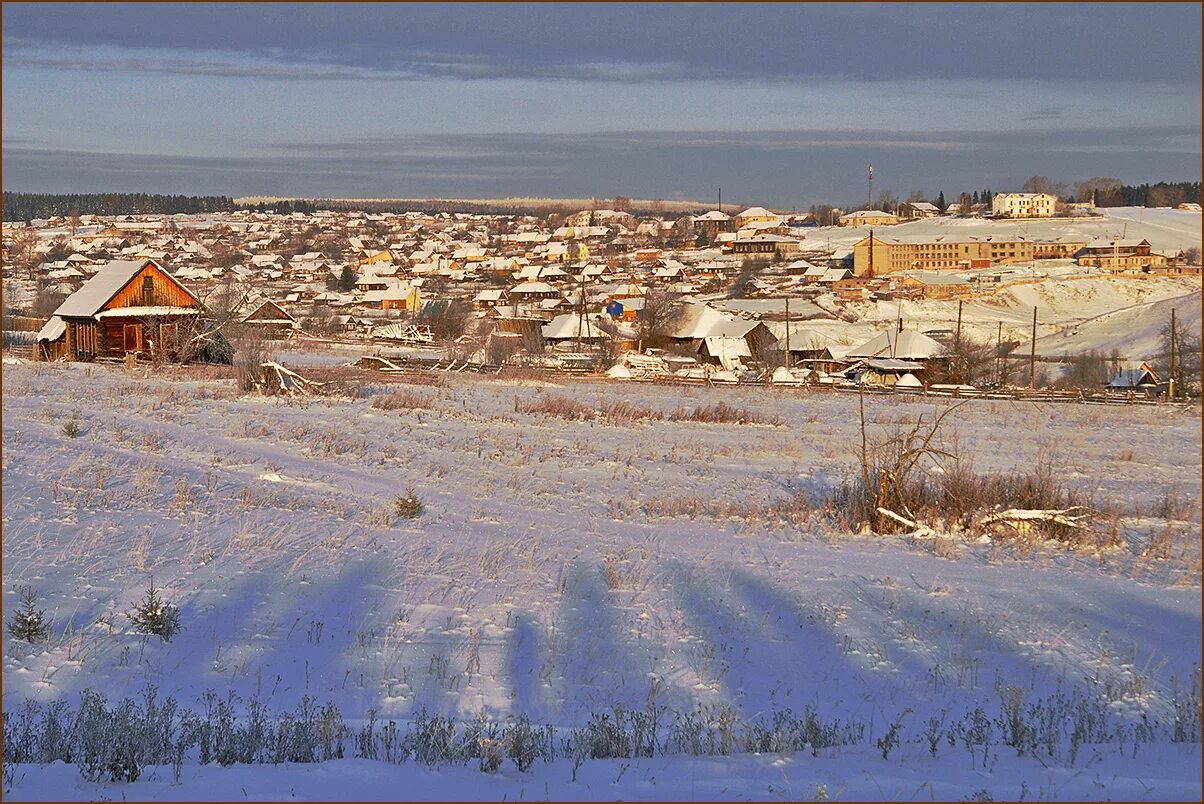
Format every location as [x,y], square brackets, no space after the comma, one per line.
[29,623]
[408,505]
[154,615]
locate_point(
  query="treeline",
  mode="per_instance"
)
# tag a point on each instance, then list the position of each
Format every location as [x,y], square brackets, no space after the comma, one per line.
[1161,194]
[541,209]
[28,206]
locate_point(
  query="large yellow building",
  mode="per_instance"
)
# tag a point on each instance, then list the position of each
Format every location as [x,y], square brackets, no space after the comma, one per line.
[892,254]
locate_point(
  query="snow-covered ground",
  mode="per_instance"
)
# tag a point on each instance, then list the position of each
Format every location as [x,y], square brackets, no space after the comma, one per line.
[561,568]
[1074,314]
[1166,229]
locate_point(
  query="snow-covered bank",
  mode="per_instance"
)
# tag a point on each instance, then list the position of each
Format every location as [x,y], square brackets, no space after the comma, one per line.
[1156,773]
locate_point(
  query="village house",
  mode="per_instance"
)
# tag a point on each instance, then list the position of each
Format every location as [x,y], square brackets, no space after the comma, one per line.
[932,285]
[710,224]
[870,217]
[1139,378]
[753,215]
[129,307]
[268,316]
[915,210]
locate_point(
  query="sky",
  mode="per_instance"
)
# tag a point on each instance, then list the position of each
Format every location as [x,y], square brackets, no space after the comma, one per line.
[777,104]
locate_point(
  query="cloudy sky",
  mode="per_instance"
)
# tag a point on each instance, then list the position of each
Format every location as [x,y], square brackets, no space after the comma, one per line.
[777,104]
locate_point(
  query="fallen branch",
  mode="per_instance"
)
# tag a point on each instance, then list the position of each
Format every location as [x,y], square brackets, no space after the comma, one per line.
[278,379]
[1022,518]
[917,530]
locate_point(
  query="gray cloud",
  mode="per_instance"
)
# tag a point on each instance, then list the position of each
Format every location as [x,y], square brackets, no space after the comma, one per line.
[19,52]
[785,168]
[620,42]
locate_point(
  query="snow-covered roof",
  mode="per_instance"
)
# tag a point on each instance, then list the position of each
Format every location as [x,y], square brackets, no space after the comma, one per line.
[533,287]
[696,320]
[936,278]
[905,345]
[757,212]
[868,213]
[571,325]
[107,283]
[53,329]
[146,312]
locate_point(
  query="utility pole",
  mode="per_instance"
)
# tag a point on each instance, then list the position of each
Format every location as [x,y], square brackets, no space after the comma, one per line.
[1170,388]
[788,333]
[999,357]
[581,310]
[871,271]
[1032,355]
[957,339]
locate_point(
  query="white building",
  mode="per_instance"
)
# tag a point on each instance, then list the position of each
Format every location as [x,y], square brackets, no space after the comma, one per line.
[1023,205]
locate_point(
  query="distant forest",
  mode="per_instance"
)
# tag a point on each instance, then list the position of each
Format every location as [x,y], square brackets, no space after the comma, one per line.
[28,206]
[1162,194]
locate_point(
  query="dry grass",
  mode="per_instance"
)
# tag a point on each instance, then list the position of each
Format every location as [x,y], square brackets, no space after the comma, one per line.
[722,413]
[625,412]
[404,400]
[564,407]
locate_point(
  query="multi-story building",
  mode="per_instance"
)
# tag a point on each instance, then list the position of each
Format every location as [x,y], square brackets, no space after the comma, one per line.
[1057,248]
[766,245]
[1023,205]
[1121,255]
[891,254]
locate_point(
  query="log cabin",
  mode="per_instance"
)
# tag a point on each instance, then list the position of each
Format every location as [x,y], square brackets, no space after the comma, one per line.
[129,307]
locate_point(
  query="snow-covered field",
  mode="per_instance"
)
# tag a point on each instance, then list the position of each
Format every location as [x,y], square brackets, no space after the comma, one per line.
[562,568]
[1166,229]
[1074,315]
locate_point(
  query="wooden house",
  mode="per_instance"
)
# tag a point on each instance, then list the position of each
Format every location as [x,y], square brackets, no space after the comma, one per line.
[269,316]
[128,307]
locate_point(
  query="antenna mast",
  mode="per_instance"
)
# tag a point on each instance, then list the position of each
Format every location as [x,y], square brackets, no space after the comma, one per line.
[869,191]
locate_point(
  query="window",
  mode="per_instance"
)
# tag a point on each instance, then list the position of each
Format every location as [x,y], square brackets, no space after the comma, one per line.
[148,291]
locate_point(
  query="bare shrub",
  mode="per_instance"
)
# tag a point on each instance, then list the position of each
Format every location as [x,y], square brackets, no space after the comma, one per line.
[1169,505]
[403,400]
[911,478]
